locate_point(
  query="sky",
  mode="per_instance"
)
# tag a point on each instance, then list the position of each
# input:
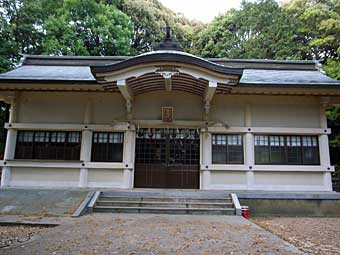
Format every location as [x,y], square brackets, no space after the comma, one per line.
[201,10]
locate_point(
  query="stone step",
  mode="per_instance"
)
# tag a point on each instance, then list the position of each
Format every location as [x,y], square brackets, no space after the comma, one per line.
[211,194]
[163,210]
[162,204]
[166,199]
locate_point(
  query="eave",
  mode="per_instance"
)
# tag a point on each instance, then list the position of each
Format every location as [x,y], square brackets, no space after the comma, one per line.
[295,90]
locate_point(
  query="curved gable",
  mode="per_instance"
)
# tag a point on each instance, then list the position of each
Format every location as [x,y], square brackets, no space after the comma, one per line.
[167,57]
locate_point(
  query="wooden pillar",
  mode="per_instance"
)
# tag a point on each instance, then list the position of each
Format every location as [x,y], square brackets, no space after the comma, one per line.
[249,155]
[129,158]
[324,150]
[86,144]
[10,143]
[206,159]
[85,157]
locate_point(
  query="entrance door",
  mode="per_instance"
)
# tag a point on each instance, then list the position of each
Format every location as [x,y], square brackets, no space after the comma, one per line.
[167,158]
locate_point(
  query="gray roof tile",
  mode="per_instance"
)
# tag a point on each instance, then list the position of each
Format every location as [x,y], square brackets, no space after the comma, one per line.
[55,73]
[256,72]
[285,77]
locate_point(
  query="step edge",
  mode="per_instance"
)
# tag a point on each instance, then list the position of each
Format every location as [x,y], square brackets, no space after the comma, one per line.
[161,202]
[165,208]
[194,198]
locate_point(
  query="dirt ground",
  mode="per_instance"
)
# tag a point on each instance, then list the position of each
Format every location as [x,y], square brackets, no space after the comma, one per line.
[17,235]
[310,235]
[150,234]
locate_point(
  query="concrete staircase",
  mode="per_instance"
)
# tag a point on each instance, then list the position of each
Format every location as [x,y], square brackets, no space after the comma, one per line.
[164,202]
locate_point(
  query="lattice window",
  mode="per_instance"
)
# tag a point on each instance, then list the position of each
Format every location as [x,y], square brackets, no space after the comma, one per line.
[227,149]
[167,146]
[107,147]
[286,150]
[49,145]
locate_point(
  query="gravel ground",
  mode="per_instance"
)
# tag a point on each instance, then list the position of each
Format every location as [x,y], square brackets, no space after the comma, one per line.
[310,235]
[129,234]
[16,235]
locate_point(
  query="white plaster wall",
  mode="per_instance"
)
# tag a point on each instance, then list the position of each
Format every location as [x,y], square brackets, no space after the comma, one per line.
[105,175]
[288,178]
[280,111]
[267,111]
[51,107]
[228,109]
[106,178]
[69,107]
[228,177]
[51,177]
[148,106]
[108,107]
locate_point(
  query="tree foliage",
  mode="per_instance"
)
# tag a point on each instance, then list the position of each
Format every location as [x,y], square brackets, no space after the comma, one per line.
[300,29]
[85,27]
[25,19]
[150,18]
[319,26]
[8,47]
[319,29]
[257,30]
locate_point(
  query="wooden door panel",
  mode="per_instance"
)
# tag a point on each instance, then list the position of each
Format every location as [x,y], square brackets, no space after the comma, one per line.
[167,158]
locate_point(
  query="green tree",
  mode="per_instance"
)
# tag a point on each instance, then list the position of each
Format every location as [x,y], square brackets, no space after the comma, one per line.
[146,25]
[86,27]
[8,48]
[319,28]
[258,29]
[320,25]
[21,28]
[149,18]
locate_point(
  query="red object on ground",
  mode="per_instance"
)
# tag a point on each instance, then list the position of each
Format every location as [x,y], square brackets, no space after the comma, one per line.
[245,212]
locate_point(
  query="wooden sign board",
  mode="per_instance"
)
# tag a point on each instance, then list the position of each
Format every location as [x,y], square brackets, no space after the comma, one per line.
[167,114]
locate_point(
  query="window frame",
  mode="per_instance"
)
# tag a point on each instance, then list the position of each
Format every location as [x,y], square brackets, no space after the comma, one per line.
[100,137]
[228,148]
[41,145]
[290,144]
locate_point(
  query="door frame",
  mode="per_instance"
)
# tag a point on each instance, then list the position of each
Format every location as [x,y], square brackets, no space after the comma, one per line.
[199,153]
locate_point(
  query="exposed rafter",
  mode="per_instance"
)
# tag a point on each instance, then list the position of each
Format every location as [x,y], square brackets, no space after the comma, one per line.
[168,84]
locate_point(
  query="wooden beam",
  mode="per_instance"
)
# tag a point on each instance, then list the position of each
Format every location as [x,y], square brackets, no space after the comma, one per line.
[124,90]
[7,96]
[208,96]
[115,126]
[210,92]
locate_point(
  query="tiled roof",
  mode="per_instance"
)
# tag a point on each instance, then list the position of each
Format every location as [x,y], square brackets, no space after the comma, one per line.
[285,77]
[255,72]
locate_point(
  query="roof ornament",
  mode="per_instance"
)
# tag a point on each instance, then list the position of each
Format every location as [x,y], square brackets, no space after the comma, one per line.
[169,42]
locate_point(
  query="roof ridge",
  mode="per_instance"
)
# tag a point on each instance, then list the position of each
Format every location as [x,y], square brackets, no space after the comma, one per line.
[253,60]
[270,64]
